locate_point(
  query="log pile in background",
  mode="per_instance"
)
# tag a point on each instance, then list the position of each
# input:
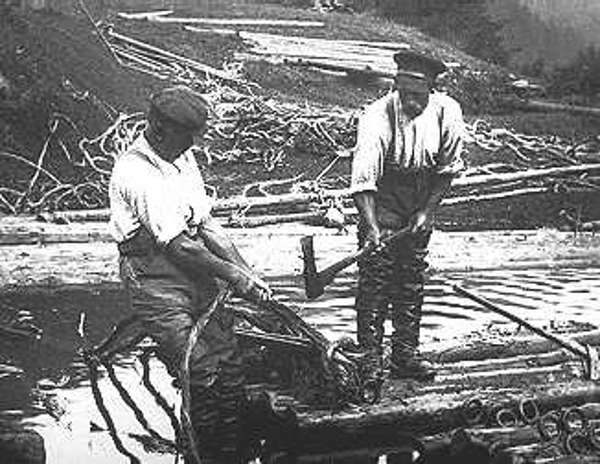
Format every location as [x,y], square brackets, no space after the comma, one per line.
[250,128]
[336,55]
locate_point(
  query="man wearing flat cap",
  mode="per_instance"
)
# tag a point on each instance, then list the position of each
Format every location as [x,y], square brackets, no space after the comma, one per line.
[407,153]
[174,259]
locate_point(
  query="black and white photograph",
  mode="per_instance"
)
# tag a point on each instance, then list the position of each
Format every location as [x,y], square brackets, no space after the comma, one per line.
[300,231]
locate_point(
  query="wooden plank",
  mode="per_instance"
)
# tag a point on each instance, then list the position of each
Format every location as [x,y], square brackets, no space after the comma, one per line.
[144,14]
[238,22]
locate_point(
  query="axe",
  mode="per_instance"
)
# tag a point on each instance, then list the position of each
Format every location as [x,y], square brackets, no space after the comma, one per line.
[587,353]
[315,282]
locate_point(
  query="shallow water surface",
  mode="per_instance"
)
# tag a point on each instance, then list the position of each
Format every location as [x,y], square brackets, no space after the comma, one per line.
[64,412]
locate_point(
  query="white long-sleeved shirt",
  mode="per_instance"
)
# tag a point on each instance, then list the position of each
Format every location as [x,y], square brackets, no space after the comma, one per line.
[387,139]
[398,158]
[165,198]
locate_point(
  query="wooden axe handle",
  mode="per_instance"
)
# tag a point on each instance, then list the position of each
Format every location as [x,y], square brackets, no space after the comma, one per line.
[327,275]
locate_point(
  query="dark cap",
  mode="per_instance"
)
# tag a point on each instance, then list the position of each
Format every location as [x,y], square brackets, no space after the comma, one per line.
[182,106]
[416,64]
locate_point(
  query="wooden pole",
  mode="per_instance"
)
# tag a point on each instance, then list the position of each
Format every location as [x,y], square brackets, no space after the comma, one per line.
[570,345]
[182,59]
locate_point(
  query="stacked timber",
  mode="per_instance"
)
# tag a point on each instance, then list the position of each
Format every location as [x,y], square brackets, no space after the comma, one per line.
[522,405]
[344,56]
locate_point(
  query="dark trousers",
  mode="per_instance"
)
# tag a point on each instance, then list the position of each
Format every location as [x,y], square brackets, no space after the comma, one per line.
[167,303]
[391,282]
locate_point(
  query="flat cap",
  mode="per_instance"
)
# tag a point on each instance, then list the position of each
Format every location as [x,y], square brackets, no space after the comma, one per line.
[420,65]
[182,106]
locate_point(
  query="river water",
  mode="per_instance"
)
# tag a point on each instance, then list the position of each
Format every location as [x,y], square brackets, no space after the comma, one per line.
[60,405]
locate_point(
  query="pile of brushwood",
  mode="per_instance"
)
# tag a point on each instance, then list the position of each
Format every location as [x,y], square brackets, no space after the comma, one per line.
[252,129]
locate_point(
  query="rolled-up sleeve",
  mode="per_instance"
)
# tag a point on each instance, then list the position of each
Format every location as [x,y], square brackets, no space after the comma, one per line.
[154,202]
[450,159]
[369,153]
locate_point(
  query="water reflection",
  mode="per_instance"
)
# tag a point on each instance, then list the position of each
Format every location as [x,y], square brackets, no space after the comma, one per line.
[62,409]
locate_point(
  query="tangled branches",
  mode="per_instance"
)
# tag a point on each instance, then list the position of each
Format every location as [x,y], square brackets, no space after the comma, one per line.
[246,129]
[84,183]
[253,129]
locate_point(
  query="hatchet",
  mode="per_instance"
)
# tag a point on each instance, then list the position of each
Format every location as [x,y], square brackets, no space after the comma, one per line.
[315,282]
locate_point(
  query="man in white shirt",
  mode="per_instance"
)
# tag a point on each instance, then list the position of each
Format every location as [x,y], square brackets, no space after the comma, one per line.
[174,258]
[408,151]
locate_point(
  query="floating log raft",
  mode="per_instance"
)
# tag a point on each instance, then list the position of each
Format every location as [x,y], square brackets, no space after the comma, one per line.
[430,414]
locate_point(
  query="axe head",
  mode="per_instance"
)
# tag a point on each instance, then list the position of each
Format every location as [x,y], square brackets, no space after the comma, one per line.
[592,363]
[312,282]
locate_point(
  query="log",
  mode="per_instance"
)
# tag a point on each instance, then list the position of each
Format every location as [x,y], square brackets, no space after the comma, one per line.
[241,202]
[429,414]
[181,59]
[503,349]
[237,22]
[494,196]
[519,361]
[203,30]
[504,436]
[528,453]
[577,459]
[546,106]
[144,15]
[83,215]
[530,174]
[257,221]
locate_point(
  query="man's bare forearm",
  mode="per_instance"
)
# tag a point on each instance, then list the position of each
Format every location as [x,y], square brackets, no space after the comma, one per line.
[194,256]
[365,203]
[219,243]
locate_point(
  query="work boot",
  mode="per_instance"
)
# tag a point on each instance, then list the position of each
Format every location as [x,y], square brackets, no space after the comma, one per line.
[414,368]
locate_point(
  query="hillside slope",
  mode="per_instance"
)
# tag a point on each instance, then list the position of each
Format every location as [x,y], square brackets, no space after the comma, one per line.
[55,63]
